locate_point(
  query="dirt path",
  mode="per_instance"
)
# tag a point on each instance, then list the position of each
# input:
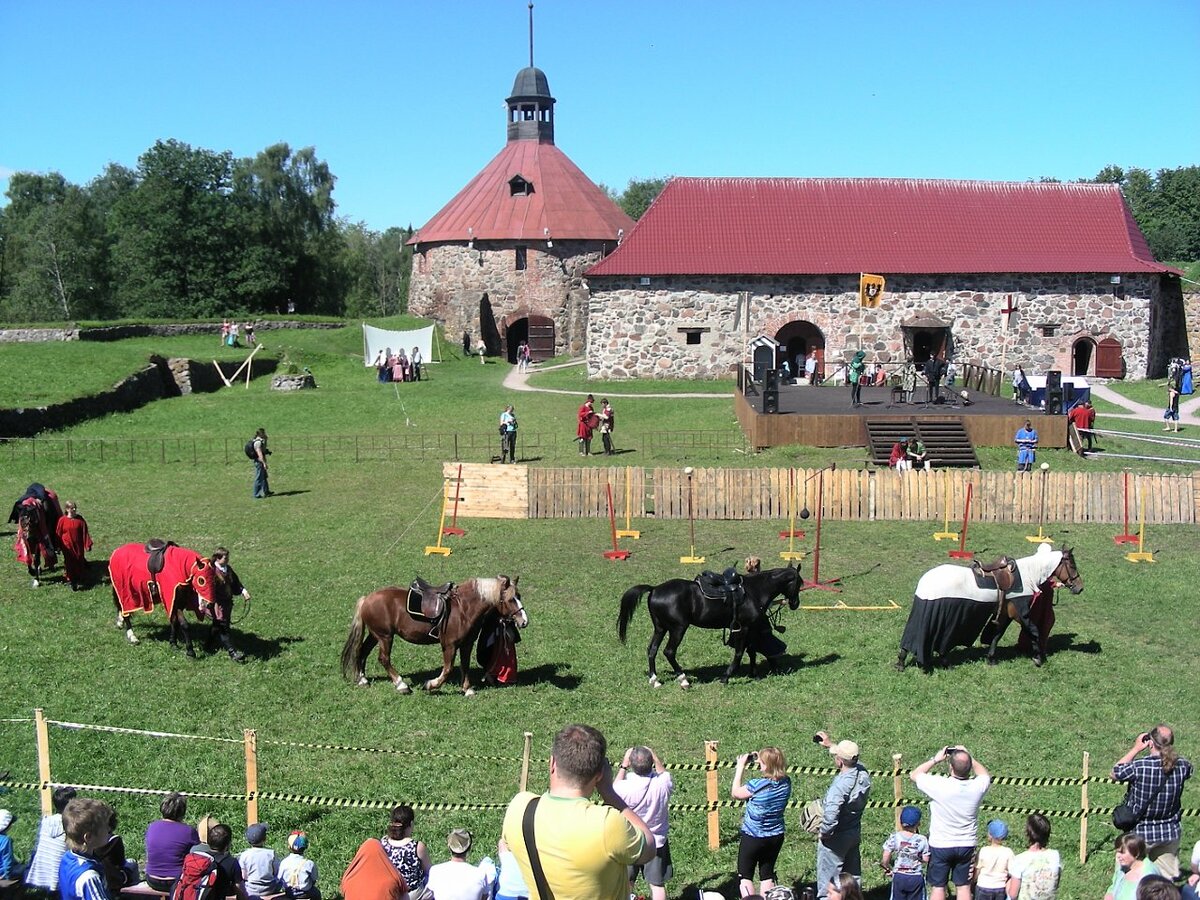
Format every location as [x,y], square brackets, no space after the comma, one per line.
[517,380]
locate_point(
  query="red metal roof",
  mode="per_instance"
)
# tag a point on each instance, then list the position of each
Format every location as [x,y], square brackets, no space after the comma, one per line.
[800,226]
[563,200]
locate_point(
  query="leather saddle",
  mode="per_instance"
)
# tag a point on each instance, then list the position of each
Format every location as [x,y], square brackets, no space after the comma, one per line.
[725,588]
[429,603]
[1002,575]
[156,557]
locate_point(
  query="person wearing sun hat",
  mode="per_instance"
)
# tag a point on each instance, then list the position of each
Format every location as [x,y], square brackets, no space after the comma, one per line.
[260,864]
[457,879]
[905,854]
[841,827]
[992,863]
[297,874]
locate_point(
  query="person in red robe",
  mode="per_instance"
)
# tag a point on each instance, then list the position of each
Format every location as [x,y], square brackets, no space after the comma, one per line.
[588,420]
[75,541]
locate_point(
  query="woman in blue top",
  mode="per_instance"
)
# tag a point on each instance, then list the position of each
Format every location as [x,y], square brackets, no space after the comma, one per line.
[762,823]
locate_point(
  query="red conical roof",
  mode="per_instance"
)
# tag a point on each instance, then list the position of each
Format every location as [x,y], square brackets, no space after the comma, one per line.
[562,199]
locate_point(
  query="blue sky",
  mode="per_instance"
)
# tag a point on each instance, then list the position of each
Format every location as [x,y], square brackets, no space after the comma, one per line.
[404,100]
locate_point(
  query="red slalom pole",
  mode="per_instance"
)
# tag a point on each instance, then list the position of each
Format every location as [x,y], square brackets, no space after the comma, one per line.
[1125,537]
[452,528]
[962,553]
[817,584]
[615,552]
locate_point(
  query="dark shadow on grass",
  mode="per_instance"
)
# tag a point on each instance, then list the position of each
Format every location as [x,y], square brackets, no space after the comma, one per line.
[727,886]
[785,664]
[255,647]
[550,673]
[287,493]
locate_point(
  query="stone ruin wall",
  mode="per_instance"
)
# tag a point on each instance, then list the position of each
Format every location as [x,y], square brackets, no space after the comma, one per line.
[635,330]
[448,281]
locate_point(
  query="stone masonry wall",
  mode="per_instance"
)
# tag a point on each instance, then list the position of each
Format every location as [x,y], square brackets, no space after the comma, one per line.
[448,281]
[1191,306]
[121,332]
[640,331]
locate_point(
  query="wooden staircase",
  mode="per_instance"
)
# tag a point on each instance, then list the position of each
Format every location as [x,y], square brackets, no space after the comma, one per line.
[945,440]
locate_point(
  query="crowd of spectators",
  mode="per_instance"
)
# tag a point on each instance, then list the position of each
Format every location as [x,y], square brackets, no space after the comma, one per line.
[567,846]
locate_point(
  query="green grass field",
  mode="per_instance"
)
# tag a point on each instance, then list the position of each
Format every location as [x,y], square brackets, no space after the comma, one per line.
[338,529]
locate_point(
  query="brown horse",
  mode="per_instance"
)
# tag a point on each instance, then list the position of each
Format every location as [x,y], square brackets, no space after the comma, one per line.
[383,614]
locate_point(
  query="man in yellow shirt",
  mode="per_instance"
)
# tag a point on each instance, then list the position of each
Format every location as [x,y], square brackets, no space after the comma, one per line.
[582,848]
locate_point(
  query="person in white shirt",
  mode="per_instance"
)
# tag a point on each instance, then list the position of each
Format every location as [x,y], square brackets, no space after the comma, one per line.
[953,812]
[457,879]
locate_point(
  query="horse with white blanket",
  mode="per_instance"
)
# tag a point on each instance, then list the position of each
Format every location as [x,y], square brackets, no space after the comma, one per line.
[953,604]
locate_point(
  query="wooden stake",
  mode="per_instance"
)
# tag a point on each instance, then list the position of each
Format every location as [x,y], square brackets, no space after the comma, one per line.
[710,789]
[1083,801]
[221,374]
[43,755]
[250,742]
[897,788]
[525,761]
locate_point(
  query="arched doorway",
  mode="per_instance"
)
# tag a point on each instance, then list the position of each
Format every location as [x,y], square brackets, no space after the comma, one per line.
[1081,356]
[796,340]
[537,330]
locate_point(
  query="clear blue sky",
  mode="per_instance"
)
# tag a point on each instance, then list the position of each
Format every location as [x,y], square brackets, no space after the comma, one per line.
[404,100]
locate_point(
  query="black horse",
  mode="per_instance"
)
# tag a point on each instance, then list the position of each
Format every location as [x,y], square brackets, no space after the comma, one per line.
[677,604]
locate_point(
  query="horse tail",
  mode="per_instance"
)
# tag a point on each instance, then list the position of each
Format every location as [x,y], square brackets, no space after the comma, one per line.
[353,643]
[629,602]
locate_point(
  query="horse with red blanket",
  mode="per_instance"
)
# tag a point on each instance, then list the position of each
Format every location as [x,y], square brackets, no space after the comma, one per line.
[160,572]
[36,514]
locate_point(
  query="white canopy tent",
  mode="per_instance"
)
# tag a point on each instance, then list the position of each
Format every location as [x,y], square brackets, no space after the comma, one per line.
[376,339]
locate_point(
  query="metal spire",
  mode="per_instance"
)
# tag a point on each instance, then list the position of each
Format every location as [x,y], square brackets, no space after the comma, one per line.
[531,34]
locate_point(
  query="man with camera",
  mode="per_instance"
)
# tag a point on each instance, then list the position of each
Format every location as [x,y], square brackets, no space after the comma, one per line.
[645,784]
[563,842]
[841,826]
[1155,787]
[953,813]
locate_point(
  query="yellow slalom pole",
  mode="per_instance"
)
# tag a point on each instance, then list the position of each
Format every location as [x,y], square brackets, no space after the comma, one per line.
[1140,555]
[438,548]
[627,531]
[946,534]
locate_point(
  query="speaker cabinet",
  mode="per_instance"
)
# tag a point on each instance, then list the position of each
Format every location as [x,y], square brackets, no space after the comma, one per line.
[771,380]
[1054,401]
[1053,380]
[770,400]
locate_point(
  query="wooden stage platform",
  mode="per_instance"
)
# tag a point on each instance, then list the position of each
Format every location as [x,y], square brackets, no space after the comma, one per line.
[823,417]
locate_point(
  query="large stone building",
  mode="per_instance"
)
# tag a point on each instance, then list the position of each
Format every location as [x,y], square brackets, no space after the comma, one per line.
[504,260]
[1045,275]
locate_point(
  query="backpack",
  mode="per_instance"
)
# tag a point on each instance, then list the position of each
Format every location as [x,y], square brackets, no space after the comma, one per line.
[199,877]
[250,449]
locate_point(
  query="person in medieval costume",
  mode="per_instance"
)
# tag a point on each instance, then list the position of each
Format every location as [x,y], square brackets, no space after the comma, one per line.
[75,541]
[587,423]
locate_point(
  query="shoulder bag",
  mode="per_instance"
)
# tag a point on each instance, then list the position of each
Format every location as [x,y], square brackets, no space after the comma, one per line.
[1125,817]
[535,861]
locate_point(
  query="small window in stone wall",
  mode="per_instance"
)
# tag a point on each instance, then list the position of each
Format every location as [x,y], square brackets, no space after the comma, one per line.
[522,259]
[1049,329]
[693,337]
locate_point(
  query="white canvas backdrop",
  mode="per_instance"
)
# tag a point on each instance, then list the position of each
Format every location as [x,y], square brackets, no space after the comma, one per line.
[376,339]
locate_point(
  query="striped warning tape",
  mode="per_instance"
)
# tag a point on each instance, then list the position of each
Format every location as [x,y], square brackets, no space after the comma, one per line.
[81,726]
[352,803]
[388,750]
[20,721]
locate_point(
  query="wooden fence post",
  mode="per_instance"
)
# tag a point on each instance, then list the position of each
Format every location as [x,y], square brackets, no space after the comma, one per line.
[250,742]
[897,787]
[1083,802]
[525,761]
[43,755]
[714,823]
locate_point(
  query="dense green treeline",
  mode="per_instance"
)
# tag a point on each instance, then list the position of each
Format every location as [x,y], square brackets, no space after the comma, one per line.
[194,233]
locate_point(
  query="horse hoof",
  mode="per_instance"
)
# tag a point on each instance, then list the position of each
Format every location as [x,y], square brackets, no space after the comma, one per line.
[401,688]
[683,681]
[899,667]
[1039,661]
[431,685]
[190,653]
[654,682]
[36,583]
[131,637]
[362,681]
[469,692]
[991,662]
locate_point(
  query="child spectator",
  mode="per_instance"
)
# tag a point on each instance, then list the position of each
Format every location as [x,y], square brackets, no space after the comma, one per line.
[510,885]
[119,871]
[992,863]
[216,839]
[260,864]
[457,879]
[1034,874]
[905,854]
[250,339]
[80,876]
[8,861]
[73,537]
[50,844]
[297,874]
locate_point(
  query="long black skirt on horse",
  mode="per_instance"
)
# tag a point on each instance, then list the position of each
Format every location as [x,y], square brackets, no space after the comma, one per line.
[938,626]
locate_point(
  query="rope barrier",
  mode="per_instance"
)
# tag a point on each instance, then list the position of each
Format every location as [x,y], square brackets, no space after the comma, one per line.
[21,721]
[387,750]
